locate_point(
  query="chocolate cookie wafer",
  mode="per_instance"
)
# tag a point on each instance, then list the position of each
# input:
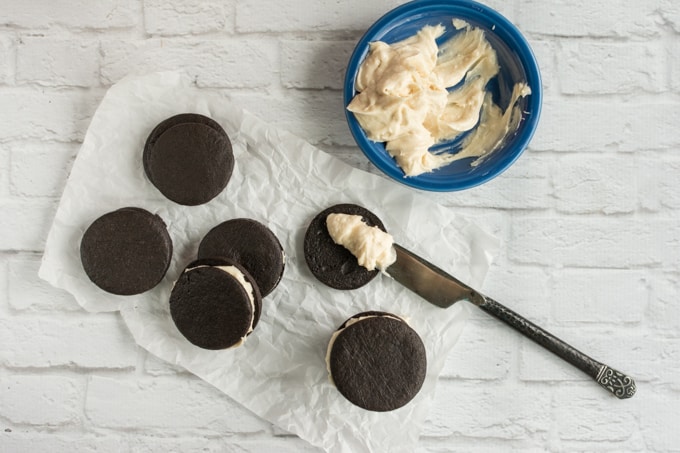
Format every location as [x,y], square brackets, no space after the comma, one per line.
[377,361]
[331,263]
[126,251]
[215,303]
[188,158]
[251,244]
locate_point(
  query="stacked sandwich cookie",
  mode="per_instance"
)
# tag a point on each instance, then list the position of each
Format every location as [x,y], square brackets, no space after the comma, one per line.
[377,361]
[217,301]
[189,158]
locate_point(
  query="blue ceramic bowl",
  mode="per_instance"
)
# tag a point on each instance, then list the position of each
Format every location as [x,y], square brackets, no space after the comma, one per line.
[517,64]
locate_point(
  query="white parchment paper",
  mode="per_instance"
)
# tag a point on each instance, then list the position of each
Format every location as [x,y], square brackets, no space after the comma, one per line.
[283,182]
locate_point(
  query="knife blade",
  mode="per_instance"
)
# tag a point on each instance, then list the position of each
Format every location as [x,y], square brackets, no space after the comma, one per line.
[427,280]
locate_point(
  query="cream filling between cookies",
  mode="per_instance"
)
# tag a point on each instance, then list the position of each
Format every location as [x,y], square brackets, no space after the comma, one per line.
[238,275]
[348,323]
[370,245]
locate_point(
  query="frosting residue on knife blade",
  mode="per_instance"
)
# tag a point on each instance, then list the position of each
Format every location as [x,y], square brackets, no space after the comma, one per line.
[413,94]
[369,244]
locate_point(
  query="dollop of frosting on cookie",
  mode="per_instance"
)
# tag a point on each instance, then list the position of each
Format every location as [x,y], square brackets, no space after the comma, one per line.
[370,245]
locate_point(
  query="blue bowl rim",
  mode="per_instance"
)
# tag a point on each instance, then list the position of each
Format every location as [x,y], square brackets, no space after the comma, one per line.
[524,52]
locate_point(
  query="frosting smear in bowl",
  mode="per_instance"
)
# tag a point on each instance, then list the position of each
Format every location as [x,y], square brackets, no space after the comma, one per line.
[414,94]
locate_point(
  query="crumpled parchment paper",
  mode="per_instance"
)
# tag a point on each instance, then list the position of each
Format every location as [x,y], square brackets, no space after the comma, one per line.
[282,181]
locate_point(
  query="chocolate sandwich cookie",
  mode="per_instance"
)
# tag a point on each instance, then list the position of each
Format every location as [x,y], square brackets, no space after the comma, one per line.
[250,244]
[377,361]
[331,263]
[188,158]
[126,251]
[215,303]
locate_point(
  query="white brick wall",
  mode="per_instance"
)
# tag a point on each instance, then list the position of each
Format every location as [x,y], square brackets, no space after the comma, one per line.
[48,61]
[77,16]
[589,218]
[177,17]
[177,403]
[243,62]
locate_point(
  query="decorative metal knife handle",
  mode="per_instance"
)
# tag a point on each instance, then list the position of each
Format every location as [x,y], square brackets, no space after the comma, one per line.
[619,384]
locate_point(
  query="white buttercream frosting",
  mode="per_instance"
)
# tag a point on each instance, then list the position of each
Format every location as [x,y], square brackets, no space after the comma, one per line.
[372,247]
[403,97]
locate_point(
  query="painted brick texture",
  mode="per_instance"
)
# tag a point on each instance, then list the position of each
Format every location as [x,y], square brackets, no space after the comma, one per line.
[588,218]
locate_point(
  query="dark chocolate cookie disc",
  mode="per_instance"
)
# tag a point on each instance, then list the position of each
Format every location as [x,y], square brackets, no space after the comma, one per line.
[250,244]
[211,307]
[126,251]
[225,261]
[188,162]
[377,361]
[333,264]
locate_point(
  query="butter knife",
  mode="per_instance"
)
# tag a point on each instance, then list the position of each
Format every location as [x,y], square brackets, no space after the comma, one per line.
[444,290]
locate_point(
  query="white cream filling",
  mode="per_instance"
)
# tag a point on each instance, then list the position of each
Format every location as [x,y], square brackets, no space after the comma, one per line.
[348,323]
[402,97]
[372,247]
[238,275]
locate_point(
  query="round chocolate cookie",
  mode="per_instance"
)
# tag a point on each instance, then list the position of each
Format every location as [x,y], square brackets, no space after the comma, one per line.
[250,244]
[377,361]
[188,162]
[332,263]
[211,307]
[126,251]
[223,261]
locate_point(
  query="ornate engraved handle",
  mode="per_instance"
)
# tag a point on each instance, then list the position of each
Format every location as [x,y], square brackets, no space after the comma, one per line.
[621,385]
